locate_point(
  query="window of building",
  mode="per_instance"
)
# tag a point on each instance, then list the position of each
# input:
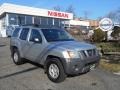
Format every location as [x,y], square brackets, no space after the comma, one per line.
[43,21]
[16,32]
[35,34]
[50,21]
[37,20]
[62,23]
[21,20]
[56,22]
[12,19]
[28,19]
[24,33]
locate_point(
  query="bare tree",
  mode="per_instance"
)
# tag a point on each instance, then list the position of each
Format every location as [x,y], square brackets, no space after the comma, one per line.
[114,15]
[118,15]
[86,14]
[71,9]
[99,18]
[57,8]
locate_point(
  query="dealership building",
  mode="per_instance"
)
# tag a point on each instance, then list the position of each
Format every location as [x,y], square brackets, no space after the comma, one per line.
[17,15]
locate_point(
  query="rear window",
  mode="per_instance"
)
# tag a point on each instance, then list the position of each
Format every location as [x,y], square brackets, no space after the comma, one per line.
[24,33]
[16,32]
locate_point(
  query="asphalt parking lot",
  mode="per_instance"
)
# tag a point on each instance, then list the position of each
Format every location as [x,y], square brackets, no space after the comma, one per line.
[31,77]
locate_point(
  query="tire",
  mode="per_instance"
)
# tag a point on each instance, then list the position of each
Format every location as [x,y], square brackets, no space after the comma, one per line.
[60,74]
[16,57]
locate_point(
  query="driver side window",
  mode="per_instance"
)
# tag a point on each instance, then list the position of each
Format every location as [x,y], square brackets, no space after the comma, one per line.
[35,34]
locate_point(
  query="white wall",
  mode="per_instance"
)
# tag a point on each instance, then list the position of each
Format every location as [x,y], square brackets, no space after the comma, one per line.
[2,29]
[76,22]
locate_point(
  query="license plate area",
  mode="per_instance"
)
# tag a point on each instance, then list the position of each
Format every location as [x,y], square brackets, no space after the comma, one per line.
[92,67]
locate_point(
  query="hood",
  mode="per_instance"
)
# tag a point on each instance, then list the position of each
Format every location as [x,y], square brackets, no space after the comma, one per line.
[72,45]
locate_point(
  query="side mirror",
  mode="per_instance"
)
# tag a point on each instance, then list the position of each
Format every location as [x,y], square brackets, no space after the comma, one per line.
[37,40]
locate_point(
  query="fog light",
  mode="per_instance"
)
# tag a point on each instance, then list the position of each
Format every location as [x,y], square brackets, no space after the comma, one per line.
[76,68]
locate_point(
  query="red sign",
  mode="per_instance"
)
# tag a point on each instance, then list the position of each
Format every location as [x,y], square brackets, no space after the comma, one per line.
[57,14]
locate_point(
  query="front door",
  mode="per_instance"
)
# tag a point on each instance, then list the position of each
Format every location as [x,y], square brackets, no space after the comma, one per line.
[35,46]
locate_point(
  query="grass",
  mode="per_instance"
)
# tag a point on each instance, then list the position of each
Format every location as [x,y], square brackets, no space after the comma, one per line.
[109,46]
[112,67]
[110,62]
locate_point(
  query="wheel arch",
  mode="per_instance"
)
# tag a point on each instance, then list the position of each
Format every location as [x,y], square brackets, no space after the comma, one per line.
[12,49]
[52,56]
[15,47]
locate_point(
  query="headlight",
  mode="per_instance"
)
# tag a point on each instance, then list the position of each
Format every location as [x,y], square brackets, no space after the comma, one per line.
[69,54]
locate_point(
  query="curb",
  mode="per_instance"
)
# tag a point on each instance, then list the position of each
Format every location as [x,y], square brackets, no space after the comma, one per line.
[118,73]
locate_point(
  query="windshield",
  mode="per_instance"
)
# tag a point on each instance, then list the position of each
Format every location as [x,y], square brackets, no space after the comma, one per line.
[56,35]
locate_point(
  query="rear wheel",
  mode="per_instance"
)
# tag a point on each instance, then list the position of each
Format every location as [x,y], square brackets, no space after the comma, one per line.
[16,57]
[55,70]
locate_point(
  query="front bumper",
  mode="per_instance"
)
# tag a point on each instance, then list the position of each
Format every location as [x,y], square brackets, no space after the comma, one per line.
[77,66]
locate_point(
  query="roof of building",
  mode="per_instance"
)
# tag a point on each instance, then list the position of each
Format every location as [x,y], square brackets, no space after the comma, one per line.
[12,8]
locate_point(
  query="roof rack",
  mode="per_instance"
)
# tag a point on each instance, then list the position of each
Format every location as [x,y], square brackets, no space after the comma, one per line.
[40,26]
[34,25]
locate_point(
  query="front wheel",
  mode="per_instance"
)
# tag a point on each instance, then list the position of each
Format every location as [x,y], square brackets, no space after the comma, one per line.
[55,70]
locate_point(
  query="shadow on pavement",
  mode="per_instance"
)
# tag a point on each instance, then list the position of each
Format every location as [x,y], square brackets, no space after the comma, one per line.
[2,45]
[33,63]
[20,72]
[75,75]
[17,73]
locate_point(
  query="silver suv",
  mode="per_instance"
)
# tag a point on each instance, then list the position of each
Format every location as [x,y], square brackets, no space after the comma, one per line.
[55,49]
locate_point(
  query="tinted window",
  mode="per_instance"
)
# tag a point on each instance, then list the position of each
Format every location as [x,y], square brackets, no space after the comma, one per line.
[28,19]
[44,21]
[56,35]
[56,22]
[12,19]
[16,32]
[24,33]
[50,21]
[21,19]
[35,34]
[37,20]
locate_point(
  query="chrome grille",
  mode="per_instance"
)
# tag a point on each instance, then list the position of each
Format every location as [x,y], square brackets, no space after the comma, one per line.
[91,52]
[87,53]
[83,53]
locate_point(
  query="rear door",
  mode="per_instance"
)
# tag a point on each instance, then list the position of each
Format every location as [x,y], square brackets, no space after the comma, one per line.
[23,39]
[14,37]
[35,47]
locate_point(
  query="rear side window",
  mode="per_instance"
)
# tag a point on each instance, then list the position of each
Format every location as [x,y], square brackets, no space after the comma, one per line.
[16,32]
[24,33]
